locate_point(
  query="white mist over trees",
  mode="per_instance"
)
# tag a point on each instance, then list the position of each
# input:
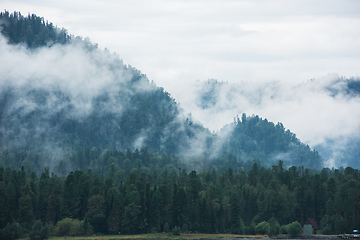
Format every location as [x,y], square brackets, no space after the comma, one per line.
[62,99]
[322,112]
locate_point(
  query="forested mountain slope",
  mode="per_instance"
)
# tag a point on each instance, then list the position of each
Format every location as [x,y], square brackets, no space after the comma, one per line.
[60,95]
[323,111]
[261,139]
[82,97]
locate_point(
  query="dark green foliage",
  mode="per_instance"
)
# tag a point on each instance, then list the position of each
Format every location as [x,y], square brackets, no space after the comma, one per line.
[119,119]
[185,228]
[176,231]
[155,210]
[274,227]
[263,228]
[70,227]
[144,201]
[39,231]
[31,30]
[105,186]
[237,226]
[114,208]
[131,112]
[96,213]
[257,138]
[11,231]
[294,229]
[166,228]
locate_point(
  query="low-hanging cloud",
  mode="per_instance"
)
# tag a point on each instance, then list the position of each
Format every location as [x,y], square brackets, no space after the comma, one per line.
[49,92]
[75,70]
[45,89]
[318,111]
[82,73]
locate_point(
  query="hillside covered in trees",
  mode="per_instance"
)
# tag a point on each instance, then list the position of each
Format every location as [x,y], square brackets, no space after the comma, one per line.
[71,97]
[332,100]
[90,145]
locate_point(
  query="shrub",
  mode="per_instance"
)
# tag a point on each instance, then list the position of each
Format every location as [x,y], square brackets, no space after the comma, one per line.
[283,229]
[185,228]
[274,227]
[327,230]
[10,231]
[39,232]
[176,231]
[69,227]
[263,228]
[238,228]
[196,227]
[294,229]
[166,228]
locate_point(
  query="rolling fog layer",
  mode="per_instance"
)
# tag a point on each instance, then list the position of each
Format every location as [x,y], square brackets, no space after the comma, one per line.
[79,82]
[319,112]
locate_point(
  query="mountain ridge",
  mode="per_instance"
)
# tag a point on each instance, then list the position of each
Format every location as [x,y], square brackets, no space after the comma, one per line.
[78,97]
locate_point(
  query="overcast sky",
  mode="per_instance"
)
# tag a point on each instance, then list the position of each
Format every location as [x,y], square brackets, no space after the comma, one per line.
[179,43]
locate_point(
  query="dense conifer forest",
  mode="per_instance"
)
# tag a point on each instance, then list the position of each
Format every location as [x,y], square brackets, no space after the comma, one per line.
[139,200]
[125,158]
[31,30]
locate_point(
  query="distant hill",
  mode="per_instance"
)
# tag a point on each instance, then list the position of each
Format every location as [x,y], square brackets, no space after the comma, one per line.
[258,138]
[336,94]
[345,150]
[60,94]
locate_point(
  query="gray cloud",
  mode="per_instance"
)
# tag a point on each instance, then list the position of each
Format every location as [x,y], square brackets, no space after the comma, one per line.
[228,40]
[309,109]
[65,81]
[81,74]
[264,50]
[68,85]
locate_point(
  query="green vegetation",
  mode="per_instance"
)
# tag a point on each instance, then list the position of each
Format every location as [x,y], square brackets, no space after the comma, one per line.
[44,122]
[39,231]
[294,229]
[262,228]
[32,30]
[260,201]
[134,164]
[176,231]
[258,138]
[72,227]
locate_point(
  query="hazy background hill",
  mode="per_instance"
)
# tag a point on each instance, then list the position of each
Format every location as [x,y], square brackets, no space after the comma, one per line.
[324,98]
[60,94]
[324,111]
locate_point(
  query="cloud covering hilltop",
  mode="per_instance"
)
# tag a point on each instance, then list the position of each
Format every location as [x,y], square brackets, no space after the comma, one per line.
[74,95]
[323,113]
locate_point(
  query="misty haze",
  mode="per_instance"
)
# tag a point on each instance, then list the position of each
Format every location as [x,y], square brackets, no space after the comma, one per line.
[88,140]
